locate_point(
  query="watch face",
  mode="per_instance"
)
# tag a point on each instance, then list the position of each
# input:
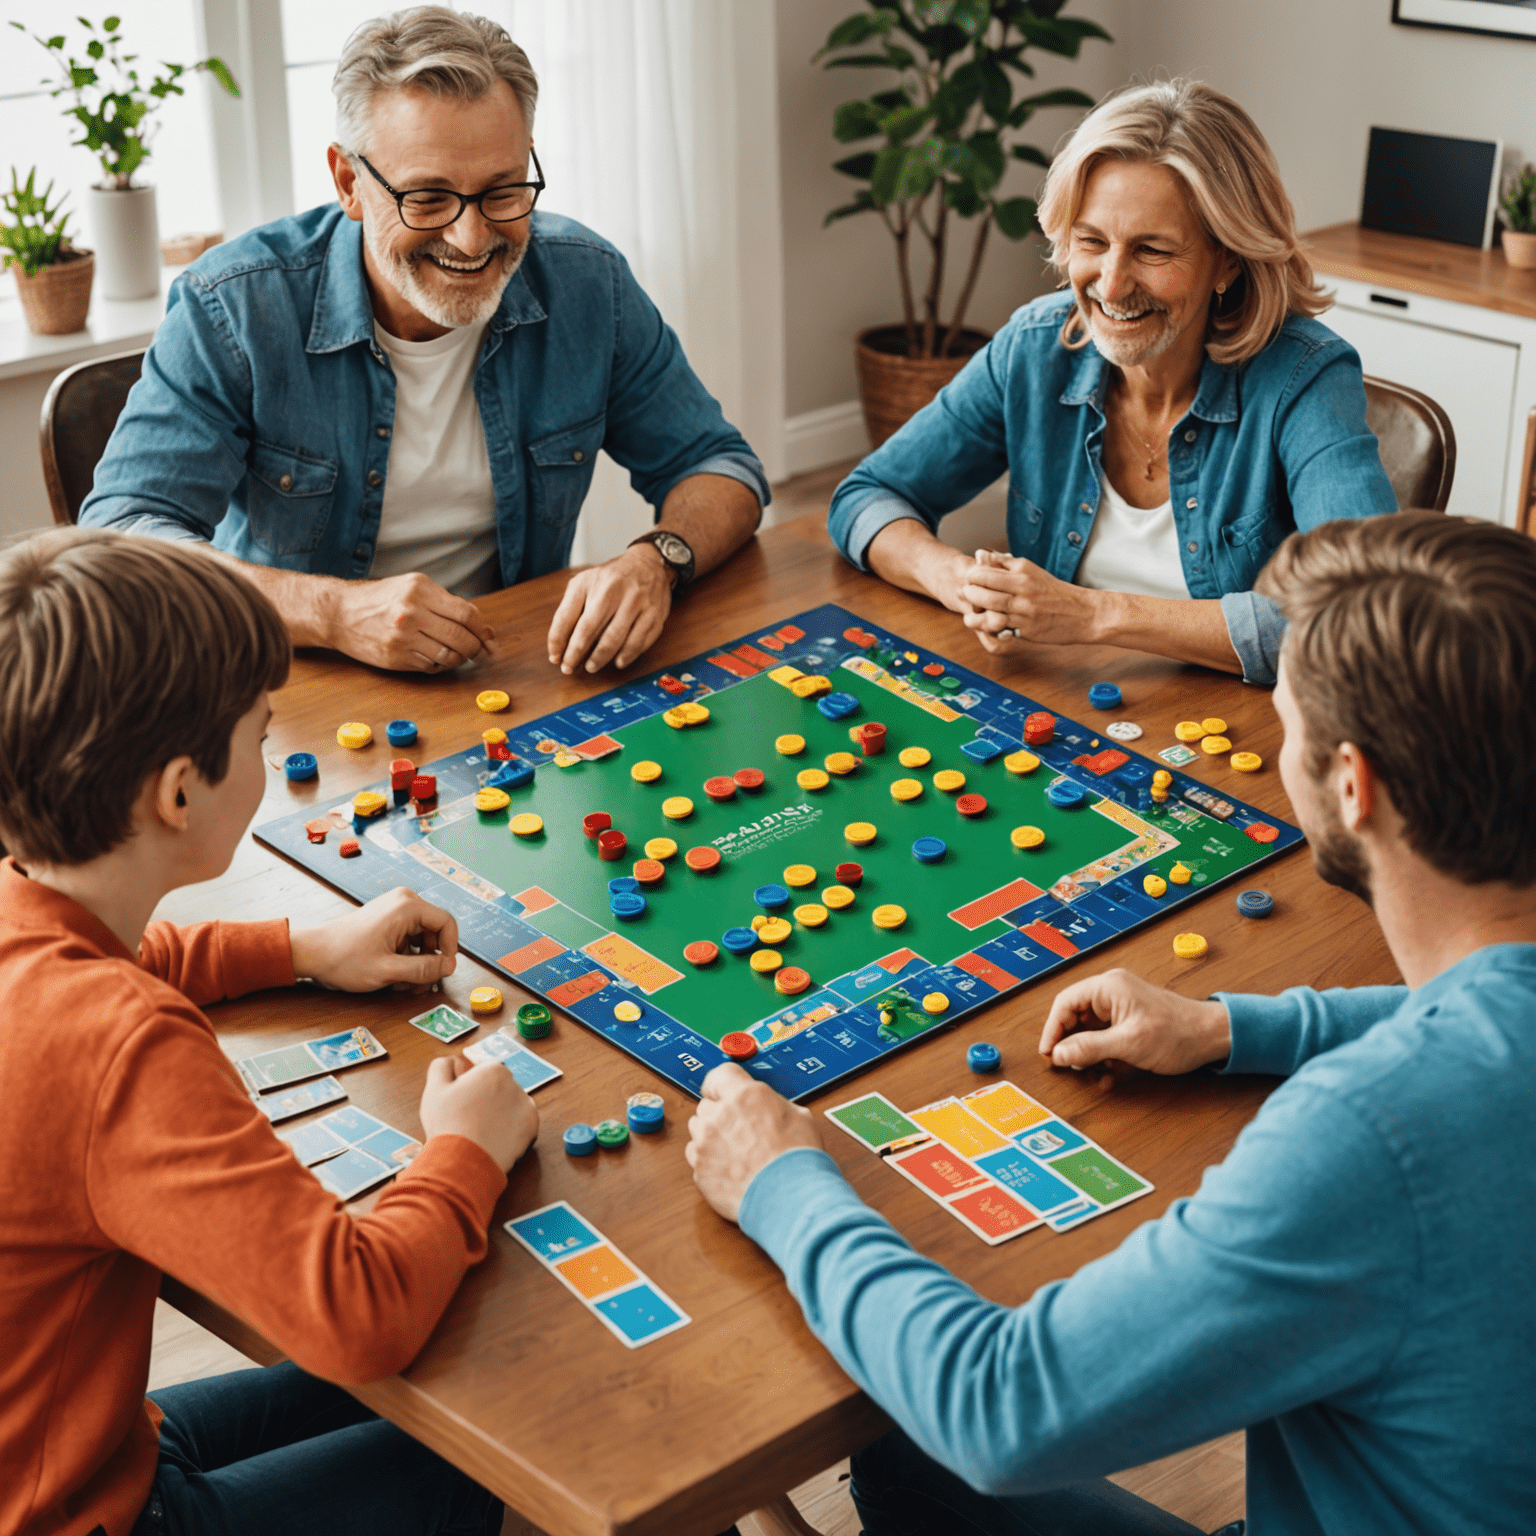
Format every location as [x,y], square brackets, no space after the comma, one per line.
[672,549]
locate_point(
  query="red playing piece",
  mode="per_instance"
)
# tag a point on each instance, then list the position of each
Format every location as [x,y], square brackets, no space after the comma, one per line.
[872,738]
[317,829]
[499,752]
[1039,728]
[702,859]
[720,788]
[649,871]
[971,805]
[739,1045]
[611,845]
[349,848]
[424,787]
[701,952]
[849,874]
[749,778]
[791,980]
[596,821]
[1261,832]
[934,669]
[401,772]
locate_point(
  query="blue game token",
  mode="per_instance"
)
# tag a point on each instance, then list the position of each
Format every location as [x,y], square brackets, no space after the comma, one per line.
[738,940]
[929,850]
[623,885]
[401,795]
[300,766]
[1066,794]
[646,1119]
[1104,696]
[1255,903]
[626,907]
[580,1139]
[983,1057]
[981,751]
[401,733]
[837,706]
[771,896]
[511,776]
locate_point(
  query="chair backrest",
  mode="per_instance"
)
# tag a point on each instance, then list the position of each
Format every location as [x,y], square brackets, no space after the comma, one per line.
[1418,443]
[79,412]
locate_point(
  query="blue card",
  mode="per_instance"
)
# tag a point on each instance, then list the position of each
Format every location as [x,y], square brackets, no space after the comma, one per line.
[639,1314]
[1028,1180]
[313,1143]
[1049,1140]
[553,1232]
[352,1124]
[351,1173]
[345,1049]
[390,1146]
[531,1071]
[278,1107]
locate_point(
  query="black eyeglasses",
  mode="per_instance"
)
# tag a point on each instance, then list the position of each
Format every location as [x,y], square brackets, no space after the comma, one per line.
[438,207]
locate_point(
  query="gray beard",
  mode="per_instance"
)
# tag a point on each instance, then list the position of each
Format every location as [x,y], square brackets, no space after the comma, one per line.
[1126,354]
[452,312]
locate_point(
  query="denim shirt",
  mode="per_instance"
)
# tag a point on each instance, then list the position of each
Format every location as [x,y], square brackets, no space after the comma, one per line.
[1277,444]
[263,416]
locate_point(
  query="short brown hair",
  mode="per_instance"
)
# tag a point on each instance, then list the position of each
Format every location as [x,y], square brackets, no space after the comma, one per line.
[118,654]
[1414,636]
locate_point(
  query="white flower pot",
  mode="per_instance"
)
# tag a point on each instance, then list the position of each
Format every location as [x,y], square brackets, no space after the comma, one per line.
[1519,249]
[126,237]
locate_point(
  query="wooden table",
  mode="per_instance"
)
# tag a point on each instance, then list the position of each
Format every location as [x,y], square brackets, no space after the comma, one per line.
[519,1386]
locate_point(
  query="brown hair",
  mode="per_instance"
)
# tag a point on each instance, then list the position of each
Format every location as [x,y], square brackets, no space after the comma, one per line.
[1414,636]
[118,653]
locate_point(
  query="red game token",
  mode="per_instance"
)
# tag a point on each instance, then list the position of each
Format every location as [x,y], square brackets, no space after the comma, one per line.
[701,952]
[720,788]
[596,821]
[1262,832]
[424,787]
[349,848]
[849,874]
[1039,727]
[739,1045]
[701,859]
[971,805]
[790,980]
[318,828]
[649,871]
[872,738]
[934,669]
[401,772]
[611,845]
[748,778]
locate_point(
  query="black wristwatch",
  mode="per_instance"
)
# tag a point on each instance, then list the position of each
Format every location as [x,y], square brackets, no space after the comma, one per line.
[676,553]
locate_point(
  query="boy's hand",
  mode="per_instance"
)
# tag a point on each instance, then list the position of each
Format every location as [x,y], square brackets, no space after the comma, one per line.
[1120,1017]
[397,940]
[484,1103]
[740,1126]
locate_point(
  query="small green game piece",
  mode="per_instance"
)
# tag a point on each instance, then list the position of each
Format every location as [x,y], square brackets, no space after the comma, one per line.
[534,1021]
[612,1133]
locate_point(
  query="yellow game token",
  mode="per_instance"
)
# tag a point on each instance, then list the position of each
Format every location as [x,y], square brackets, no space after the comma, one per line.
[1021,762]
[1247,762]
[812,778]
[645,772]
[693,714]
[935,1002]
[1161,779]
[626,1012]
[889,916]
[1214,746]
[368,802]
[1160,794]
[765,960]
[675,718]
[1189,730]
[660,848]
[1026,837]
[840,762]
[1180,874]
[810,687]
[566,760]
[800,874]
[677,807]
[758,919]
[1155,885]
[492,700]
[495,737]
[1189,946]
[355,734]
[492,800]
[811,915]
[914,757]
[789,746]
[837,897]
[484,1000]
[526,824]
[906,789]
[774,931]
[949,780]
[859,833]
[1214,726]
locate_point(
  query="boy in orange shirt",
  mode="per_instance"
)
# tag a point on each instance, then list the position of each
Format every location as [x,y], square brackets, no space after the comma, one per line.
[133,700]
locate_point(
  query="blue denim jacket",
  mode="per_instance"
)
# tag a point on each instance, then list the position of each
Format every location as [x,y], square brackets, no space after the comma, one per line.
[1278,444]
[263,416]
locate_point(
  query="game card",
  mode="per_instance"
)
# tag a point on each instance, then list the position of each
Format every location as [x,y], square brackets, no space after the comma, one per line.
[313,1143]
[278,1107]
[345,1050]
[978,1202]
[873,1121]
[1005,1108]
[311,1058]
[958,1128]
[444,1023]
[531,1071]
[351,1172]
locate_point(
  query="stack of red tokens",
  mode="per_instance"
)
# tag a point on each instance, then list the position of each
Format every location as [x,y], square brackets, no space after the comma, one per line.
[611,845]
[702,859]
[872,738]
[849,874]
[402,773]
[738,1045]
[596,821]
[1039,728]
[649,871]
[971,805]
[701,952]
[424,788]
[748,778]
[720,788]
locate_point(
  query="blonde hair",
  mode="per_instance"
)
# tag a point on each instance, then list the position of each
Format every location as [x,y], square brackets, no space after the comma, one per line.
[1233,181]
[427,48]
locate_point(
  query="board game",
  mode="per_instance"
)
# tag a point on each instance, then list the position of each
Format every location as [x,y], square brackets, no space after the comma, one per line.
[1050,864]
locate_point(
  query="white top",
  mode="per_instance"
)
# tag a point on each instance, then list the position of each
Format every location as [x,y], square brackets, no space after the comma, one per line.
[1132,549]
[439,514]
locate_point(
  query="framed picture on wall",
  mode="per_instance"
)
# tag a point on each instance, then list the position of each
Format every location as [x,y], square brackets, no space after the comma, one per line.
[1503,18]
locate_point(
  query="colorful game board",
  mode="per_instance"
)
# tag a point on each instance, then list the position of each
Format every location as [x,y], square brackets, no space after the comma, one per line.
[989,917]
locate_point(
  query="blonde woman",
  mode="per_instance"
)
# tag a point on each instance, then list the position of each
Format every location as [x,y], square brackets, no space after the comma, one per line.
[1164,422]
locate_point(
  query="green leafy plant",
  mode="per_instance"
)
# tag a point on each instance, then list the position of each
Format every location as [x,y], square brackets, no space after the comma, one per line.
[1519,202]
[948,127]
[113,103]
[33,237]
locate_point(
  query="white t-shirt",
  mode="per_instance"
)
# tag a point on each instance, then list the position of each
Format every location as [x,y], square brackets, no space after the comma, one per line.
[1132,549]
[439,513]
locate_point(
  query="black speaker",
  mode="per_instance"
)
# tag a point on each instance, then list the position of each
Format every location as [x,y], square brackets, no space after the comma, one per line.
[1429,185]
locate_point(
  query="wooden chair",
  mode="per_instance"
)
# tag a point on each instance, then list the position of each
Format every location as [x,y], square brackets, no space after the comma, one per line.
[1418,443]
[79,412]
[1526,521]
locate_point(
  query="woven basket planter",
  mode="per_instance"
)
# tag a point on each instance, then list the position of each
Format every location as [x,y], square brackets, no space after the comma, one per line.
[56,301]
[894,387]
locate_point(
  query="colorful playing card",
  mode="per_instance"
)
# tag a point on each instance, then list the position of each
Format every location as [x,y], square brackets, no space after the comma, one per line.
[531,1071]
[292,1063]
[313,1143]
[444,1023]
[278,1107]
[935,1168]
[990,1211]
[958,1128]
[351,1172]
[994,1214]
[873,1121]
[1045,1141]
[1005,1108]
[553,1232]
[1100,1177]
[352,1124]
[345,1049]
[1028,1179]
[390,1146]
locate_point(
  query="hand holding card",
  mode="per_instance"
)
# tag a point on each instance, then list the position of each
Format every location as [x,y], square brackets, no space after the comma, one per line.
[485,1104]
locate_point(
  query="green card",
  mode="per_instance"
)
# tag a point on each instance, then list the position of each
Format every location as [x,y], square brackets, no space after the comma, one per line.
[1096,1173]
[874,1121]
[444,1023]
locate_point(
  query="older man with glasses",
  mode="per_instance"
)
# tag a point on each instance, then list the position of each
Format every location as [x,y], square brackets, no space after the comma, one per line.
[388,408]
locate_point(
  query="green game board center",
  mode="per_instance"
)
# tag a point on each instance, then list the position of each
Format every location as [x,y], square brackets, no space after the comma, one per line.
[760,834]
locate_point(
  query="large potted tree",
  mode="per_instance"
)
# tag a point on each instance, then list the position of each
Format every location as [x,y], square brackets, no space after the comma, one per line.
[53,279]
[115,106]
[946,130]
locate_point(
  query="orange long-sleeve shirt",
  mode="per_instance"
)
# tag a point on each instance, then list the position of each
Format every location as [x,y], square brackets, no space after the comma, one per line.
[128,1147]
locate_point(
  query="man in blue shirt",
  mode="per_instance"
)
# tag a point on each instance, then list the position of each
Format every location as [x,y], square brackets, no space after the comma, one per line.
[414,386]
[1353,1284]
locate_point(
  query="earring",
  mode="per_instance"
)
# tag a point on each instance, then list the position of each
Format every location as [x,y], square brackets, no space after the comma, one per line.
[1221,288]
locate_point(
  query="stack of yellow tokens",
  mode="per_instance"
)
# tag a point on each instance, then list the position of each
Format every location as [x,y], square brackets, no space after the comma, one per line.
[914,757]
[693,714]
[675,718]
[1026,837]
[527,824]
[1021,762]
[889,916]
[789,746]
[765,960]
[489,800]
[837,897]
[812,778]
[811,915]
[949,780]
[492,700]
[797,875]
[354,734]
[661,848]
[906,789]
[841,763]
[774,931]
[860,833]
[677,808]
[1189,946]
[484,1000]
[645,772]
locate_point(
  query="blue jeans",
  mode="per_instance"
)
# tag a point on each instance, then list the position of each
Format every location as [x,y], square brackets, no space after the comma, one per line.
[262,1451]
[900,1492]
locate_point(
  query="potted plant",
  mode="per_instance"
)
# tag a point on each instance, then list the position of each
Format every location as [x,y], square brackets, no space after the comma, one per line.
[53,279]
[1519,207]
[115,106]
[948,126]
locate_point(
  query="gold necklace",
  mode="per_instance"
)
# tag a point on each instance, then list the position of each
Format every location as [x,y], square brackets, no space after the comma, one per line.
[1152,451]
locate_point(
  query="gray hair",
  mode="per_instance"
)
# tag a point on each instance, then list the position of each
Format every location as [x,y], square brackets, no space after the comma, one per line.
[427,48]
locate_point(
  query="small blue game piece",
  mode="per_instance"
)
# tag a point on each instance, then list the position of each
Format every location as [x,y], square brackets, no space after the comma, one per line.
[646,1119]
[580,1139]
[511,775]
[983,1057]
[1255,903]
[1104,696]
[738,940]
[401,733]
[1066,794]
[623,885]
[771,897]
[626,907]
[300,766]
[929,850]
[982,751]
[837,706]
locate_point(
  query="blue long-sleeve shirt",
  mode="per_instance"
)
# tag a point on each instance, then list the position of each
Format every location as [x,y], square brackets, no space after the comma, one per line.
[1355,1284]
